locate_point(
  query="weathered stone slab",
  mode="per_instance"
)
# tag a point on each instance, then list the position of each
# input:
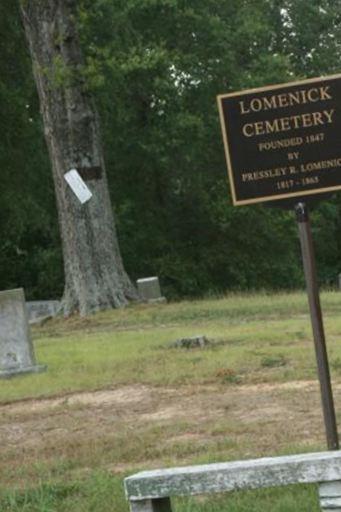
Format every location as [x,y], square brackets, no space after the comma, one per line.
[230,476]
[149,289]
[16,349]
[39,309]
[198,341]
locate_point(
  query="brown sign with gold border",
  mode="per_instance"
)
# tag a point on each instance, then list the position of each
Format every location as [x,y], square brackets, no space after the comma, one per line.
[283,141]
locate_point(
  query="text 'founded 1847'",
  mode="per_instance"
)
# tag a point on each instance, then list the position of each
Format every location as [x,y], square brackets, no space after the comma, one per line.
[283,141]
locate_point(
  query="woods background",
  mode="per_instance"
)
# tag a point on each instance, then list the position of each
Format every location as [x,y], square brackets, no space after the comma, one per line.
[155,68]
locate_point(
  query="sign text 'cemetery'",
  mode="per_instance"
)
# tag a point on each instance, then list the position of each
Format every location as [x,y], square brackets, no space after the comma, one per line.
[283,141]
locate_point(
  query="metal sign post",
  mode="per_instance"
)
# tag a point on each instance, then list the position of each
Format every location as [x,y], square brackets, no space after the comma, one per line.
[308,258]
[282,148]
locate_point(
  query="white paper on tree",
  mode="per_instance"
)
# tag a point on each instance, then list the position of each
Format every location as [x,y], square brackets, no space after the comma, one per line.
[77,185]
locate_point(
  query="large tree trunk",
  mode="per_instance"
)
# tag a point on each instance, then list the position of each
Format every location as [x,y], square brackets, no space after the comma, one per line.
[94,274]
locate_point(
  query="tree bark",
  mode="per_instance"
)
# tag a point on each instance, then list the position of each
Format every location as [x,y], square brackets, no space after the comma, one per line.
[95,278]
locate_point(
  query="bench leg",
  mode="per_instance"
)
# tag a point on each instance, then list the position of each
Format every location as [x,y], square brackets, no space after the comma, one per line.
[157,505]
[330,496]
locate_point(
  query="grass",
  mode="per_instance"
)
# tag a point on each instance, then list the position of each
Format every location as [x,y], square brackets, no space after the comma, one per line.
[247,333]
[102,493]
[254,339]
[98,493]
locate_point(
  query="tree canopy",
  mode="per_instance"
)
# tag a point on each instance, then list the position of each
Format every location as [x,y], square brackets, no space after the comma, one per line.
[155,68]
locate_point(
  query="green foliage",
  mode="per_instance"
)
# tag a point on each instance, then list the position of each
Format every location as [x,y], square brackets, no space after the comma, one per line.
[165,62]
[30,255]
[155,68]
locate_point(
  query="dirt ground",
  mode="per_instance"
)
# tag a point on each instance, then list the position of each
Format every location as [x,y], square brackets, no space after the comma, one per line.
[112,425]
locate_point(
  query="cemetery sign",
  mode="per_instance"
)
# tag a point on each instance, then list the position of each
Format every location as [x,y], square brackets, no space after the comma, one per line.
[283,141]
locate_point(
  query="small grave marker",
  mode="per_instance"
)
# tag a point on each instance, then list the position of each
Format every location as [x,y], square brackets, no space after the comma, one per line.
[40,309]
[149,289]
[199,341]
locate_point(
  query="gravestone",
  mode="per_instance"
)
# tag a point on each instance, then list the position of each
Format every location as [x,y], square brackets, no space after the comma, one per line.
[16,349]
[199,341]
[149,289]
[39,309]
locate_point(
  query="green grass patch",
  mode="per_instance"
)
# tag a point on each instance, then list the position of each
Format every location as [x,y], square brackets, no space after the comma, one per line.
[291,499]
[247,334]
[101,492]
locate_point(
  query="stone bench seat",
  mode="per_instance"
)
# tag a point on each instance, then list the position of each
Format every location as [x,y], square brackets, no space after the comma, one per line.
[150,491]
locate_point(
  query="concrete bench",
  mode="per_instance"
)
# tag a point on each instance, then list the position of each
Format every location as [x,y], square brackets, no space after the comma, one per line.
[150,491]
